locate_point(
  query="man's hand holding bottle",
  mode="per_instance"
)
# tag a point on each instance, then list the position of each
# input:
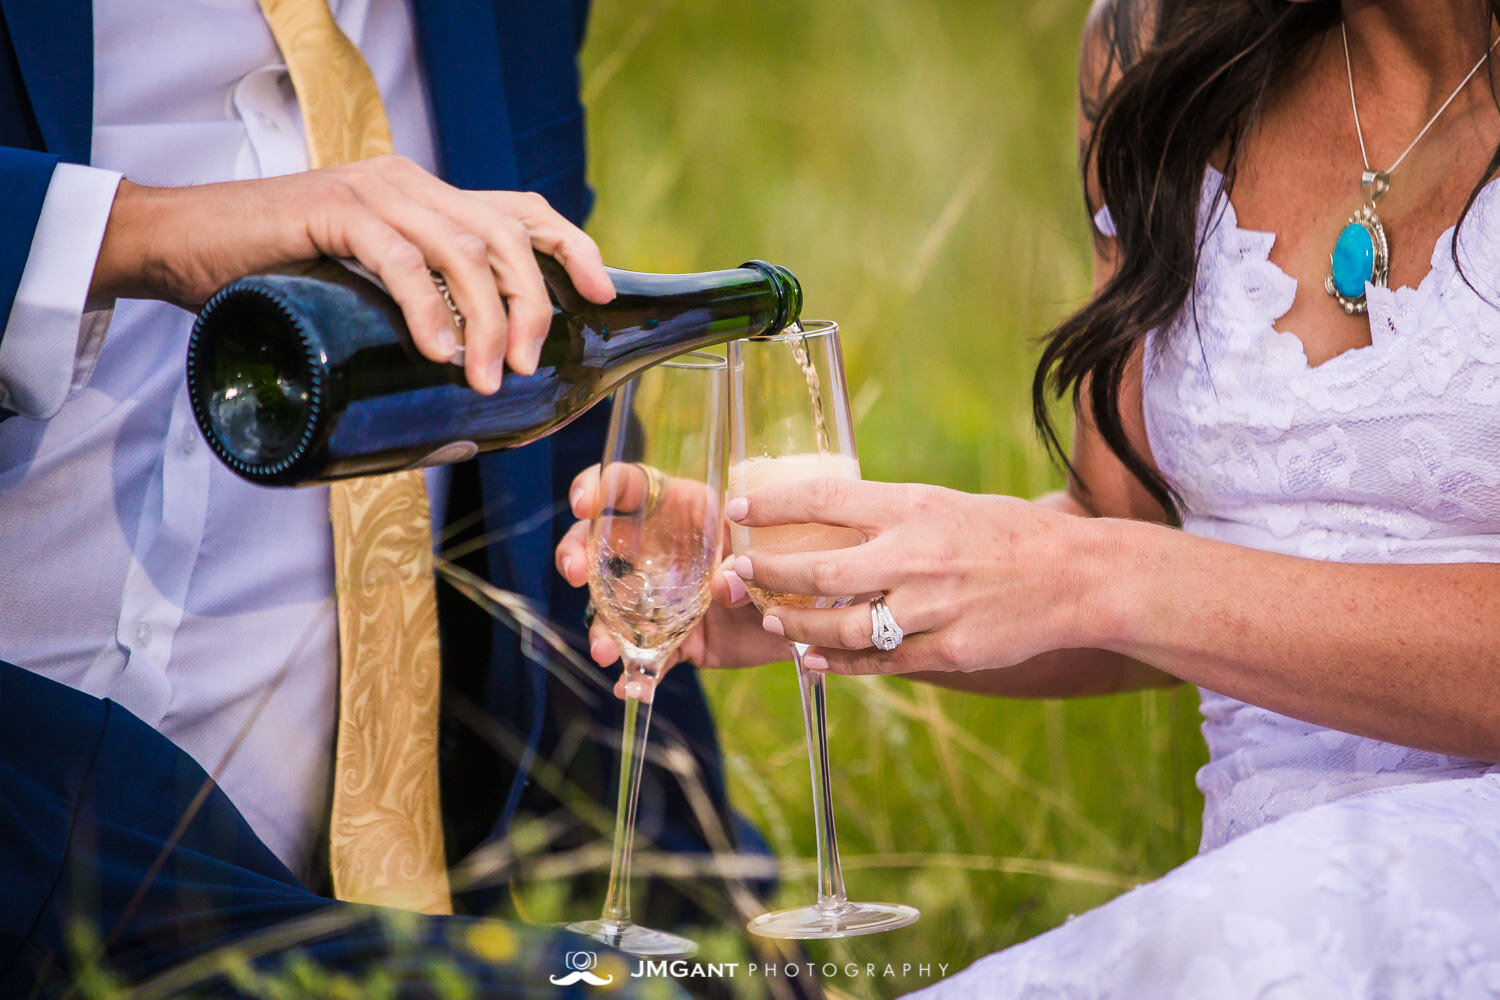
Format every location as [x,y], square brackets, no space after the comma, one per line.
[399,221]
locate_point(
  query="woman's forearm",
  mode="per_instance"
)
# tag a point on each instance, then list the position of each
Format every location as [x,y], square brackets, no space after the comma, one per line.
[1062,673]
[1409,654]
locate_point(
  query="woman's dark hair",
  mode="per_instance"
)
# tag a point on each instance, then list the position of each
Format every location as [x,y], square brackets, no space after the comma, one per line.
[1185,80]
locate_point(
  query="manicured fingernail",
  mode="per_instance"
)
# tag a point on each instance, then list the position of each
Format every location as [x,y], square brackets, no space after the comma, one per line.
[600,653]
[743,568]
[573,498]
[446,342]
[567,567]
[815,661]
[497,369]
[737,508]
[736,587]
[773,625]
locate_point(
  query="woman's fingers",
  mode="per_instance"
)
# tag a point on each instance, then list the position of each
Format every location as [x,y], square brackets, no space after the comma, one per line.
[850,628]
[727,587]
[859,569]
[918,653]
[852,502]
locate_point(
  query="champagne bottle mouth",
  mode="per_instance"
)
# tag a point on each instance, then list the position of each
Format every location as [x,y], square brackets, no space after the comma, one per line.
[255,384]
[788,292]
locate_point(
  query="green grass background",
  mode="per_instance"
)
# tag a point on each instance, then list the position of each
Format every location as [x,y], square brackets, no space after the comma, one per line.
[914,165]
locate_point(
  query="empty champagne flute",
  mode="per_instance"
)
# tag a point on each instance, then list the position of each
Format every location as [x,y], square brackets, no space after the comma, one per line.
[654,543]
[789,421]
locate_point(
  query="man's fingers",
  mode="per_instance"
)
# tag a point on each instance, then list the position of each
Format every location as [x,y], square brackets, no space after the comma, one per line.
[624,488]
[850,502]
[520,282]
[572,555]
[583,495]
[602,649]
[483,244]
[403,270]
[462,257]
[555,236]
[858,569]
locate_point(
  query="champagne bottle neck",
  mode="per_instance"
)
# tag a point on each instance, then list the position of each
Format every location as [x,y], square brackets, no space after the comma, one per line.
[656,316]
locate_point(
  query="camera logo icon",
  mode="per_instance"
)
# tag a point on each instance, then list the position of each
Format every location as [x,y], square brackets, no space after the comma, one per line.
[581,965]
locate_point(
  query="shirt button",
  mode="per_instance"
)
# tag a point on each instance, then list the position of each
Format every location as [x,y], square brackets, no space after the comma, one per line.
[189,439]
[142,635]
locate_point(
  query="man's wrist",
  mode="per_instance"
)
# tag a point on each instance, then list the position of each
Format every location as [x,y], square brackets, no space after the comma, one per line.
[123,266]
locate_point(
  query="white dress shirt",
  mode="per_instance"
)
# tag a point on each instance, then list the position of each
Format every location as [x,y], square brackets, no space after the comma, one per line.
[133,565]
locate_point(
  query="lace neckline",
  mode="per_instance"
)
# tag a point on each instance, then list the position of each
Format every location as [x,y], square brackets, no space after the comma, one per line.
[1387,306]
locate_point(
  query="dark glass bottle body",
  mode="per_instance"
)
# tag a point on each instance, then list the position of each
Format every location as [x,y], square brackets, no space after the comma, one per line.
[309,375]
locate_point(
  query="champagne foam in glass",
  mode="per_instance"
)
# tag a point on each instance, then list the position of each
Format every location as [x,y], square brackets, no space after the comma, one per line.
[755,473]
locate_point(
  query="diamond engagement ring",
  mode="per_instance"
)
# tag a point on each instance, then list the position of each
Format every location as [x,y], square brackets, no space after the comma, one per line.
[884,632]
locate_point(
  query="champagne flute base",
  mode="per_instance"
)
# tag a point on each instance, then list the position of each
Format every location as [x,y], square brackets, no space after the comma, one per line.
[633,939]
[834,920]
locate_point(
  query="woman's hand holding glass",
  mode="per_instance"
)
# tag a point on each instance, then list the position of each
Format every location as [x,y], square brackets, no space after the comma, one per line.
[974,581]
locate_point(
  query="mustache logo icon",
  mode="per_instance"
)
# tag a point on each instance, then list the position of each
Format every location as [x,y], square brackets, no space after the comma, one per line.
[582,964]
[581,974]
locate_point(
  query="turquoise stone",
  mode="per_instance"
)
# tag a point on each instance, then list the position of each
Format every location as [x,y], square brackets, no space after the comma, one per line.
[1353,260]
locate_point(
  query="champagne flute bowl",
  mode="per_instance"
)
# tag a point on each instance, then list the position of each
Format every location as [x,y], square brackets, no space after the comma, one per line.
[654,543]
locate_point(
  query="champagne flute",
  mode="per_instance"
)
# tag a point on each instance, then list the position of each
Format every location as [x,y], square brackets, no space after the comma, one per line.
[789,421]
[654,543]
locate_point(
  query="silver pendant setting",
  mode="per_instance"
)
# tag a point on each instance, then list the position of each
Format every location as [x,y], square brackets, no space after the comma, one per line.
[1362,253]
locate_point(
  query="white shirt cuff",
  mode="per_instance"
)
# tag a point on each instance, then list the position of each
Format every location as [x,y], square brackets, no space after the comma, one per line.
[52,337]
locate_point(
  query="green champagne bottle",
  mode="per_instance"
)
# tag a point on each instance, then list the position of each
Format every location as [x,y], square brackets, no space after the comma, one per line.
[309,374]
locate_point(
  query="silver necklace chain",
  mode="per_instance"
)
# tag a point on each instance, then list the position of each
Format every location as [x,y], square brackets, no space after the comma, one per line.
[1344,30]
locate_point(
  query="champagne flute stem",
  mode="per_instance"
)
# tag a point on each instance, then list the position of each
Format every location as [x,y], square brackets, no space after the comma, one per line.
[632,757]
[815,721]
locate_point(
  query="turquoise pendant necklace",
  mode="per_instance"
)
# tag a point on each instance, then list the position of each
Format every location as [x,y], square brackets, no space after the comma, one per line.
[1362,254]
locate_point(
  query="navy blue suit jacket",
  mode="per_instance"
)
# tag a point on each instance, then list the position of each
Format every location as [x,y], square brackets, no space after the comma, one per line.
[504,88]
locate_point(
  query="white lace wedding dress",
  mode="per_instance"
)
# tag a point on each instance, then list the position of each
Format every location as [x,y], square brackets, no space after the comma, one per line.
[1331,865]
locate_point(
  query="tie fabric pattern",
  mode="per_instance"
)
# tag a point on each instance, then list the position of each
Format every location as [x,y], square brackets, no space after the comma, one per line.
[386,838]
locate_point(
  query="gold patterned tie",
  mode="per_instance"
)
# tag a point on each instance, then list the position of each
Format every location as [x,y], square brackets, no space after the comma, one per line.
[386,837]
